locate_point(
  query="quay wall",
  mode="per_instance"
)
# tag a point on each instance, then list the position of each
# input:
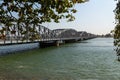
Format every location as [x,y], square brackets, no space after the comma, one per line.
[6,49]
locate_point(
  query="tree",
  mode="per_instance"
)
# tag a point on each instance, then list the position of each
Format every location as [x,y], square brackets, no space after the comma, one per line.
[34,12]
[117,29]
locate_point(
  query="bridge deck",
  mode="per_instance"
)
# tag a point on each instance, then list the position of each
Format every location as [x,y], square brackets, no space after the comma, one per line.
[9,42]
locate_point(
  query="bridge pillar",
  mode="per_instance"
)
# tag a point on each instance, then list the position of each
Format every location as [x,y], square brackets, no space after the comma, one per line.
[49,43]
[71,41]
[57,43]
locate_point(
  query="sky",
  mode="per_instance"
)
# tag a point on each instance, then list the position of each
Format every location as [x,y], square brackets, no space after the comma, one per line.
[95,16]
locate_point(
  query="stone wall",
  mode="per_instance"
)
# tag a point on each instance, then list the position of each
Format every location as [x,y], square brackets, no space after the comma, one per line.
[17,47]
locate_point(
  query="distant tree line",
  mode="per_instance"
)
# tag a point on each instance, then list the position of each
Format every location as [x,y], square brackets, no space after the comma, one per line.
[106,35]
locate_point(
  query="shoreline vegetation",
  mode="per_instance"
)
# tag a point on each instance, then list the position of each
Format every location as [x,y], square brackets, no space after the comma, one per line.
[105,35]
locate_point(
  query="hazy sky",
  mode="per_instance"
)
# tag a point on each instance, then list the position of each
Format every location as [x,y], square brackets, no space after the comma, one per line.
[95,16]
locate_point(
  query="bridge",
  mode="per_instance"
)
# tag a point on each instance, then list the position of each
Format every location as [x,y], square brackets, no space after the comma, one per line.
[20,34]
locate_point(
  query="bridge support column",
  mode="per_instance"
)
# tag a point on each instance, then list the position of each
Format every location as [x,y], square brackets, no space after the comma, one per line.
[49,43]
[71,41]
[57,43]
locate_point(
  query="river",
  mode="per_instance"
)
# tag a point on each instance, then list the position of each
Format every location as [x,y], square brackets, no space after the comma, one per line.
[93,59]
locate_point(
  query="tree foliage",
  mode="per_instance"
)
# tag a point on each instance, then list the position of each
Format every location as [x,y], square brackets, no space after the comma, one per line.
[34,12]
[117,28]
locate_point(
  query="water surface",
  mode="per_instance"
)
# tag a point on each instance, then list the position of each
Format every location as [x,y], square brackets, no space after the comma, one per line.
[93,59]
